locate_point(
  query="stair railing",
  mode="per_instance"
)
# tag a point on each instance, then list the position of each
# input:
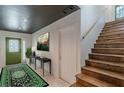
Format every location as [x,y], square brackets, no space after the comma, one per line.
[90,29]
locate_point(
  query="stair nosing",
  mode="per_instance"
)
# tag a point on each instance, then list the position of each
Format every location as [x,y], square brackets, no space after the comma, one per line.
[106,62]
[90,80]
[110,40]
[115,26]
[105,72]
[115,55]
[101,39]
[111,31]
[74,85]
[109,48]
[115,22]
[112,43]
[111,35]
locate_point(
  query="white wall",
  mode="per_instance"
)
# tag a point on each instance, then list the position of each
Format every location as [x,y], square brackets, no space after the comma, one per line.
[54,28]
[90,15]
[110,13]
[1,54]
[3,35]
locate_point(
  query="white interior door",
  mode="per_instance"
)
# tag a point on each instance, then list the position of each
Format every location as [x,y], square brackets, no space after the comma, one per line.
[68,54]
[0,54]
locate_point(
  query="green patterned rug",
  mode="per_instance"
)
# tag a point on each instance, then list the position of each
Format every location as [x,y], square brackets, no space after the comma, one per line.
[20,75]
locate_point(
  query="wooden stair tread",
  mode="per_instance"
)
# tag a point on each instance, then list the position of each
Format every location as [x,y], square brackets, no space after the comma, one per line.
[111,38]
[94,81]
[115,21]
[121,21]
[111,43]
[114,55]
[105,72]
[113,29]
[107,62]
[115,51]
[107,45]
[76,85]
[117,26]
[109,48]
[112,33]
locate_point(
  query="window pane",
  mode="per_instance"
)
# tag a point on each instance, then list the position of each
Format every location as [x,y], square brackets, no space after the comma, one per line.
[119,11]
[13,45]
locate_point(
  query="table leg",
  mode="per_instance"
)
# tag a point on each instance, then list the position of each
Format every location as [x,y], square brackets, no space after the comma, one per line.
[35,63]
[50,66]
[43,68]
[30,60]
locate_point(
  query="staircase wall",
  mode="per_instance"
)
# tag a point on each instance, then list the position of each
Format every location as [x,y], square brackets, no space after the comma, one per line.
[89,15]
[110,13]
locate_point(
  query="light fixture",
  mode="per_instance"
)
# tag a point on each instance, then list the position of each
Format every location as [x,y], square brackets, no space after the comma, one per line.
[25,20]
[19,27]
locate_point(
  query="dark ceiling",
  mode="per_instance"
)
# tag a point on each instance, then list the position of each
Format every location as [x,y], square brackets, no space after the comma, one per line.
[30,18]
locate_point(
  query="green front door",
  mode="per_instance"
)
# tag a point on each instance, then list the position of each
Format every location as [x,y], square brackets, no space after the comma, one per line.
[13,51]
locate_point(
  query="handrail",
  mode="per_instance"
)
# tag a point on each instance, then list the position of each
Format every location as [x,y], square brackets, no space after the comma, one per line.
[90,29]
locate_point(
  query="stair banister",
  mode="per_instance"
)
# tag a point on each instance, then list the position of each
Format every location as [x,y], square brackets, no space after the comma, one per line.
[90,29]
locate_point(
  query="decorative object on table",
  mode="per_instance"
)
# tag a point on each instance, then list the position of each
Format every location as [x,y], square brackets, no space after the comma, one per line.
[43,42]
[21,75]
[33,51]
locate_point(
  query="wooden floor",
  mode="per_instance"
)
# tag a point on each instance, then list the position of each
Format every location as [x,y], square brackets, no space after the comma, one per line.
[105,66]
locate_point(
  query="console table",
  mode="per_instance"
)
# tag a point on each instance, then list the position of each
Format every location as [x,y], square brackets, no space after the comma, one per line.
[42,60]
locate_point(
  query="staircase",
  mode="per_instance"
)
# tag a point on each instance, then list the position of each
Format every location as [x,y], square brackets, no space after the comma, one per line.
[105,66]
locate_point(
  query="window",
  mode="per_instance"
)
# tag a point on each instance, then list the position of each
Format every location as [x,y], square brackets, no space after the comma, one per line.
[119,11]
[13,45]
